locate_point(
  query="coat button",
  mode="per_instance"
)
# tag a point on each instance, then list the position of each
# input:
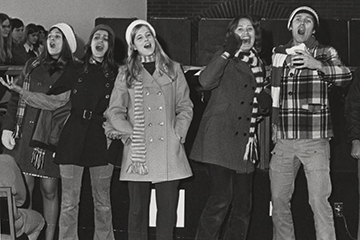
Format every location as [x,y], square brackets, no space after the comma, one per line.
[31,122]
[290,93]
[245,134]
[251,104]
[150,124]
[161,123]
[245,85]
[75,91]
[161,108]
[107,96]
[161,139]
[148,108]
[239,118]
[159,93]
[107,85]
[80,80]
[236,133]
[151,140]
[242,102]
[106,74]
[147,93]
[291,74]
[247,119]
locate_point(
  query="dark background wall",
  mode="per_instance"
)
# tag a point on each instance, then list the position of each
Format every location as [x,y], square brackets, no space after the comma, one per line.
[341,9]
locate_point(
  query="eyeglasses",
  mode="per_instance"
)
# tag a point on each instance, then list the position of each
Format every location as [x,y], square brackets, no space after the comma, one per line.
[6,26]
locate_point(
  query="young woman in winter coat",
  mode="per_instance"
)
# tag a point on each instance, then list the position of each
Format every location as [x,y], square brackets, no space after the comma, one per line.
[226,140]
[38,76]
[82,141]
[151,111]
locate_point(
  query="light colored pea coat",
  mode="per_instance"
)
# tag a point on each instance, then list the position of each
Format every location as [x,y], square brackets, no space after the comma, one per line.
[168,114]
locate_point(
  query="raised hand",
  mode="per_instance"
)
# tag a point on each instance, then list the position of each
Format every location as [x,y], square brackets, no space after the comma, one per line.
[9,83]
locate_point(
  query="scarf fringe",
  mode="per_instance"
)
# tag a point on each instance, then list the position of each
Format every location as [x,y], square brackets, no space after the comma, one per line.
[138,168]
[251,151]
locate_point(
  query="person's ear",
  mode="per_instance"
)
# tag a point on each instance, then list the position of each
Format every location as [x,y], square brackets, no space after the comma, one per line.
[290,28]
[314,31]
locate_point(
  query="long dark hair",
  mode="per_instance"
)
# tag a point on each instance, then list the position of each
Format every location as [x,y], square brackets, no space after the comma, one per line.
[133,63]
[5,43]
[108,63]
[255,21]
[65,57]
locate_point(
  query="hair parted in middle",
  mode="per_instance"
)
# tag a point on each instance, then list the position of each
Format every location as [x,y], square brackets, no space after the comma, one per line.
[255,21]
[133,62]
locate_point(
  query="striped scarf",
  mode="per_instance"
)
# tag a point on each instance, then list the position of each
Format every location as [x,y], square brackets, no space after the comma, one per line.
[256,66]
[138,144]
[21,104]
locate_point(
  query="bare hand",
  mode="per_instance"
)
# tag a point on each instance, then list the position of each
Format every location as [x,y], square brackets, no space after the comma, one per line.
[113,134]
[303,59]
[9,83]
[355,149]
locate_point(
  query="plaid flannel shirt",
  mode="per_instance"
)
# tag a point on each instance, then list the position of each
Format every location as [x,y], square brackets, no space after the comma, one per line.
[304,104]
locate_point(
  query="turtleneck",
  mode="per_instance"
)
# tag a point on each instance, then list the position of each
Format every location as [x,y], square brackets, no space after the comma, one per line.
[149,63]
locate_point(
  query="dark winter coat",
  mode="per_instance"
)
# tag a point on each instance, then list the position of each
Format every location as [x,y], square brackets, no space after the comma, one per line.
[224,128]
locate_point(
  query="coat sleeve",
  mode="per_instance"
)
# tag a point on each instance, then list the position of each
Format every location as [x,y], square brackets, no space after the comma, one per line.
[333,71]
[45,102]
[116,114]
[210,77]
[352,109]
[184,106]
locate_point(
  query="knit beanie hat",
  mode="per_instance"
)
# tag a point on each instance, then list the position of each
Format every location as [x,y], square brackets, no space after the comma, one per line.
[134,24]
[105,28]
[68,33]
[303,9]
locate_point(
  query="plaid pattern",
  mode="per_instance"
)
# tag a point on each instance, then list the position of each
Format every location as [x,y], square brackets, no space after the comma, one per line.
[256,66]
[21,104]
[304,105]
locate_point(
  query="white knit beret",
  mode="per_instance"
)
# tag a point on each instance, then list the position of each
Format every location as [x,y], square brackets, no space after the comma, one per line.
[302,8]
[68,33]
[134,24]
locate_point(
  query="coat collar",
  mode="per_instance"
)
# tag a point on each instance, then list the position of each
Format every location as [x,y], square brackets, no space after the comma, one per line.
[242,67]
[158,78]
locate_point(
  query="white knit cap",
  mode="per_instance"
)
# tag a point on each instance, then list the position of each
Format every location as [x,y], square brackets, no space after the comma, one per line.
[68,33]
[302,8]
[134,24]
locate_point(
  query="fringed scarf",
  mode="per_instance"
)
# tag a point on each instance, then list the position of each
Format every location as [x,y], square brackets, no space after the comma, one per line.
[138,144]
[256,66]
[279,60]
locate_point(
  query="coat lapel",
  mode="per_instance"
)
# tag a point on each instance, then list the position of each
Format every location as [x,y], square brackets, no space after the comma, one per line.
[156,80]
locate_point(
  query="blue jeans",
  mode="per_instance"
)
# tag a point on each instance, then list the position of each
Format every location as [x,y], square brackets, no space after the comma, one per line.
[287,156]
[229,190]
[71,178]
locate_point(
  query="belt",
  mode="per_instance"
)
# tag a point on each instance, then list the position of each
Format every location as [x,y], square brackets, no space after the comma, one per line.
[87,114]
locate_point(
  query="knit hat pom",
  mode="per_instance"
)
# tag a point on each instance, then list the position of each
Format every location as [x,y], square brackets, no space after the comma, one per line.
[68,33]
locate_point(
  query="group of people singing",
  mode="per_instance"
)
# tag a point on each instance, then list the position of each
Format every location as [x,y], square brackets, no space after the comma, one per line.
[65,113]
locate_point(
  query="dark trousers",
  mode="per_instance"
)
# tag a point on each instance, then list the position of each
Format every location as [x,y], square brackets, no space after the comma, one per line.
[229,191]
[167,194]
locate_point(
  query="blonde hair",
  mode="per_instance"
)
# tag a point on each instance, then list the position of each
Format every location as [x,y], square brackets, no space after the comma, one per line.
[133,63]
